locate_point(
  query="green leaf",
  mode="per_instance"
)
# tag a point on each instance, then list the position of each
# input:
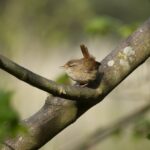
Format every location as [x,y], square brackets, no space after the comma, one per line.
[63,78]
[141,129]
[9,119]
[102,25]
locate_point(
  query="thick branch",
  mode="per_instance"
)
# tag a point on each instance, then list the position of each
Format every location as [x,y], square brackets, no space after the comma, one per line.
[58,113]
[115,67]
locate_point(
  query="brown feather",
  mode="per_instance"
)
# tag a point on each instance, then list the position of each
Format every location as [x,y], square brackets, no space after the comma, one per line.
[85,51]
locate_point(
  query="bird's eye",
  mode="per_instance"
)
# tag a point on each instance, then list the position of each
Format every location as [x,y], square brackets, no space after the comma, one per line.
[72,64]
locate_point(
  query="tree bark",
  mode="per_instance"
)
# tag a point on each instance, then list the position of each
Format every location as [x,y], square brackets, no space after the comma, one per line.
[58,112]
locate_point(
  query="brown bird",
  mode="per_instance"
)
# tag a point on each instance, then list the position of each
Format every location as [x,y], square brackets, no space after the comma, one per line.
[84,70]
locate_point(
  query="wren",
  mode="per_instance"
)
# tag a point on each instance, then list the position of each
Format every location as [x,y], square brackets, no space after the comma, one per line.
[84,70]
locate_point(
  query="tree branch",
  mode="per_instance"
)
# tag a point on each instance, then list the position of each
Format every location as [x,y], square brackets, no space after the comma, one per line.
[58,113]
[64,91]
[103,133]
[115,67]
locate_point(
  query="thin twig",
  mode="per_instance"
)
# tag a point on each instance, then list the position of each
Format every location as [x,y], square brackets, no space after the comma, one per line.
[64,91]
[101,134]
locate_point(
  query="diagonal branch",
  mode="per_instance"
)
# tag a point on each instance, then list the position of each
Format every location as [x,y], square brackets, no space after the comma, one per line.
[103,133]
[64,91]
[115,67]
[58,113]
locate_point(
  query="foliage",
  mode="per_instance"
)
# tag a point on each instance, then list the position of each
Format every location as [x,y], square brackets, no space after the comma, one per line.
[63,78]
[141,128]
[9,119]
[104,25]
[52,21]
[126,29]
[138,130]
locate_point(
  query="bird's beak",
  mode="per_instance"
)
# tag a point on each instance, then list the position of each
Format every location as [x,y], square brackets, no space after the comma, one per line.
[62,67]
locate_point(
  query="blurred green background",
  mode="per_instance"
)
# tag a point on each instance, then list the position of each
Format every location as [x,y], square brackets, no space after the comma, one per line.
[52,22]
[42,35]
